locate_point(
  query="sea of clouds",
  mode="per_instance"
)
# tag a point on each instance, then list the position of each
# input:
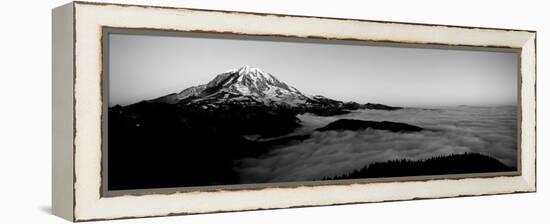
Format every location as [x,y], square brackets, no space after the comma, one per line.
[487,130]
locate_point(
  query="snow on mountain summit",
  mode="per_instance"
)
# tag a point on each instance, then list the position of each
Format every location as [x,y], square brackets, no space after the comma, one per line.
[250,81]
[246,81]
[251,72]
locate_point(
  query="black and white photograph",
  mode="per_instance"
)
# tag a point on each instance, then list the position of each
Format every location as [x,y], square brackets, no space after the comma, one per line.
[194,110]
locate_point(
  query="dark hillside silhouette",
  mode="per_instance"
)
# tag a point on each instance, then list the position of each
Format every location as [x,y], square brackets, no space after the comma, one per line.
[451,164]
[351,124]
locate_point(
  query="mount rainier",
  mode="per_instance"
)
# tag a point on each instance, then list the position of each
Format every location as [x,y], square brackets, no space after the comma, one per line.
[249,86]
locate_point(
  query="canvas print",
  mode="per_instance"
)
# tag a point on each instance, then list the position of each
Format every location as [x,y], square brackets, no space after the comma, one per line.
[192,110]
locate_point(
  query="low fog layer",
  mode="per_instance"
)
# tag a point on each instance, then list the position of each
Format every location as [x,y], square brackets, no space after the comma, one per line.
[487,130]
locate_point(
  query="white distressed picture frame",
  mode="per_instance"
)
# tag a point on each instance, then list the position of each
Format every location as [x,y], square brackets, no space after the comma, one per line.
[78,107]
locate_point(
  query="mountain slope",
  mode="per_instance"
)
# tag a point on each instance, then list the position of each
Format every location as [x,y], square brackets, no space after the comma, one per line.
[242,84]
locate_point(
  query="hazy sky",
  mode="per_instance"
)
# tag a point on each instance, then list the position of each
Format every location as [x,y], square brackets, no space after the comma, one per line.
[146,67]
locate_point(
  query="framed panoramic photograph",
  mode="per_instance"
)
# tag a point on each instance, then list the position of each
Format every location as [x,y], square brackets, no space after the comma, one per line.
[163,111]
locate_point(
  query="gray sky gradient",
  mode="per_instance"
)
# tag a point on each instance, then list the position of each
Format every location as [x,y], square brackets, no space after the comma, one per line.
[145,67]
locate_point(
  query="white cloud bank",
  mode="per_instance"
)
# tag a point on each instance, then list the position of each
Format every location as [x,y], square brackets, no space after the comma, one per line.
[486,130]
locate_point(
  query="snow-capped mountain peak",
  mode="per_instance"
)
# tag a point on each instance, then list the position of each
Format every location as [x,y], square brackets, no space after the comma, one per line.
[246,81]
[247,76]
[254,73]
[251,87]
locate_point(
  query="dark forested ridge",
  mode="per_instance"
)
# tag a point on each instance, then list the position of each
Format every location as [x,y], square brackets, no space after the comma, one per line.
[156,145]
[351,124]
[440,165]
